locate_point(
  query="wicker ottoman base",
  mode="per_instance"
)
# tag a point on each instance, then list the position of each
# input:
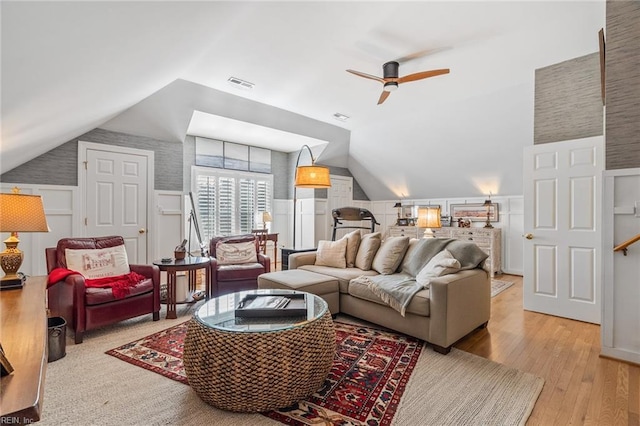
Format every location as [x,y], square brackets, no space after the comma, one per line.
[261,371]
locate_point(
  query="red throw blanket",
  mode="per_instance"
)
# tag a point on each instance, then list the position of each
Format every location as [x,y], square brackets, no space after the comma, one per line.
[120,285]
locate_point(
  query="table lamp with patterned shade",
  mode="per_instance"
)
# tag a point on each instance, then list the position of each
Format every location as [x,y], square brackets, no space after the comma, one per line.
[18,213]
[429,217]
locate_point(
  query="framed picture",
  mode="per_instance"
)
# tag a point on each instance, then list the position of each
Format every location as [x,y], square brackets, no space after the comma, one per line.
[474,212]
[403,221]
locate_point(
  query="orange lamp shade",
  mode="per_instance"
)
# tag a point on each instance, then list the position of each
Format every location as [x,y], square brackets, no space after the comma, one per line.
[312,177]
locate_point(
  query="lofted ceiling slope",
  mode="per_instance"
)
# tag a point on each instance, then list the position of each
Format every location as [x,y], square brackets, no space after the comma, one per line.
[68,67]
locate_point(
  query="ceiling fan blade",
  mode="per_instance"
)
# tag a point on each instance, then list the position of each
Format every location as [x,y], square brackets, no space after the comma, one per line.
[369,76]
[423,74]
[383,96]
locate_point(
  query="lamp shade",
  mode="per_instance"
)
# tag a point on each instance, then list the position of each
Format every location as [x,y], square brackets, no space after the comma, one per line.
[22,213]
[266,217]
[397,205]
[429,217]
[312,177]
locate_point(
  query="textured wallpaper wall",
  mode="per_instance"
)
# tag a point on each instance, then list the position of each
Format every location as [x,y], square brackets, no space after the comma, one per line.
[623,85]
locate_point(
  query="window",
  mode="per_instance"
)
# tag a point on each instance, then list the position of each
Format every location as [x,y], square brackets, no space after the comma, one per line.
[228,201]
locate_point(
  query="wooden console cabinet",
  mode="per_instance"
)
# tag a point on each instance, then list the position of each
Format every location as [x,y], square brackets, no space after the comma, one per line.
[24,335]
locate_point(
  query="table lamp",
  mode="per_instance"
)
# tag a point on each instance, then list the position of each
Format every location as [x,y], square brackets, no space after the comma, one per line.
[266,217]
[308,177]
[488,204]
[18,213]
[429,217]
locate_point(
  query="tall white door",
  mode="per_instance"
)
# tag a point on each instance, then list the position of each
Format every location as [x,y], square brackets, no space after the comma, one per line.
[116,198]
[339,195]
[562,228]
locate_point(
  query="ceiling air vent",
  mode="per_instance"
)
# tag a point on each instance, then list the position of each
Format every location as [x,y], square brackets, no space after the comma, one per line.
[240,83]
[340,116]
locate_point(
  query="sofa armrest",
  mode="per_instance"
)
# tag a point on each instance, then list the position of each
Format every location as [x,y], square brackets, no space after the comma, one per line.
[297,260]
[265,261]
[459,303]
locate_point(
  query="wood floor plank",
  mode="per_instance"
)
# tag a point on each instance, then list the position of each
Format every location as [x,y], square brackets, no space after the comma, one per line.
[580,387]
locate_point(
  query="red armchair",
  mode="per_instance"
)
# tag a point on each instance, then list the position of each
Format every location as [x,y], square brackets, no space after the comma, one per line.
[90,308]
[236,277]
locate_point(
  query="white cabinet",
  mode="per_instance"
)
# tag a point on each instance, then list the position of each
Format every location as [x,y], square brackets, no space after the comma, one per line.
[405,231]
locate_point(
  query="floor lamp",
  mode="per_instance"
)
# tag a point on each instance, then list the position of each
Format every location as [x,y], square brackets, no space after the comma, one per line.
[308,177]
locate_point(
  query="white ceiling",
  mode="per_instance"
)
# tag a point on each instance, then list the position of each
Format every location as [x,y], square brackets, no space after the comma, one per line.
[68,67]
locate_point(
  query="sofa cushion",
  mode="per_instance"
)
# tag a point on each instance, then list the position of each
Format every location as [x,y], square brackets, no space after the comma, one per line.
[369,245]
[353,243]
[441,264]
[97,296]
[300,280]
[419,304]
[236,253]
[390,254]
[240,271]
[98,263]
[343,275]
[332,253]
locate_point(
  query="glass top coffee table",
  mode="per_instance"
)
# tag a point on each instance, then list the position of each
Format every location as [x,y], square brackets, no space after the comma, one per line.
[258,364]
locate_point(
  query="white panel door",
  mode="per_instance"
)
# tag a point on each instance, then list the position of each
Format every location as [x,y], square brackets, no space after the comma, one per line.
[562,228]
[116,199]
[339,195]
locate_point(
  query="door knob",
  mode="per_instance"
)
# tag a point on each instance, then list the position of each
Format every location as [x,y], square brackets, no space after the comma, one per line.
[529,236]
[141,231]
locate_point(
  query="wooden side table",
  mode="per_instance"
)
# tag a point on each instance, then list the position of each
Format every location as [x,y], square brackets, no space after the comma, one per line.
[189,265]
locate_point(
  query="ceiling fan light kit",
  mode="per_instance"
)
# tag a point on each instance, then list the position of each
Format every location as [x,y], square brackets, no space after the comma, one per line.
[391,80]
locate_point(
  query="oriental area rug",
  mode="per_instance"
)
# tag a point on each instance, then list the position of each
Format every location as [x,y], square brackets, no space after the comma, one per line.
[378,378]
[369,374]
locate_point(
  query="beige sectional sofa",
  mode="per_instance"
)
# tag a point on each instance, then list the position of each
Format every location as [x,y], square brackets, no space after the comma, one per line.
[451,307]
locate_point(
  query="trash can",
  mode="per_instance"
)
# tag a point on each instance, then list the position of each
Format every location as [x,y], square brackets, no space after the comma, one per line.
[57,339]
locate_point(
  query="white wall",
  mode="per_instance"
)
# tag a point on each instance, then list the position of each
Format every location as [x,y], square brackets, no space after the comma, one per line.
[62,208]
[621,280]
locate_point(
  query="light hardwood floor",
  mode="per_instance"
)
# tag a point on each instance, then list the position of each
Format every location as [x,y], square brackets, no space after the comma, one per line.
[580,387]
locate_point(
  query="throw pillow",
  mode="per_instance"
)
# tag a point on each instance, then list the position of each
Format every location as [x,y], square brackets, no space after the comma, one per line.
[369,245]
[98,263]
[469,254]
[332,253]
[353,242]
[390,255]
[441,264]
[236,253]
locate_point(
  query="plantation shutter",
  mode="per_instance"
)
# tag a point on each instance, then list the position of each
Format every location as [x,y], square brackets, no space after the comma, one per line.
[228,202]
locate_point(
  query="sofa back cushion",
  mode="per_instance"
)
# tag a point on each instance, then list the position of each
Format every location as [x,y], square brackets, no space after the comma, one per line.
[82,243]
[390,254]
[353,243]
[98,263]
[332,253]
[369,245]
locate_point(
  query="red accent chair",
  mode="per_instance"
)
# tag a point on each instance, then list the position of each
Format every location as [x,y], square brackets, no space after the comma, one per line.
[90,308]
[231,278]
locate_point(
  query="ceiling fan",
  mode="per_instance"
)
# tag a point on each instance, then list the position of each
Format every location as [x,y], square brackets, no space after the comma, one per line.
[391,80]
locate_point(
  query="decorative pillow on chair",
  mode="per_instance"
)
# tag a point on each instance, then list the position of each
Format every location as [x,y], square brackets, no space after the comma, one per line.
[441,264]
[369,245]
[236,253]
[390,255]
[332,253]
[353,242]
[98,263]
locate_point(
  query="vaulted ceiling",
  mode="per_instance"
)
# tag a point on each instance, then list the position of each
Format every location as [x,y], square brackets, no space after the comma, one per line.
[69,67]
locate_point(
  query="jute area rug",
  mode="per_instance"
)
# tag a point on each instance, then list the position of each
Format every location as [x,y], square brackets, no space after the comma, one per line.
[498,286]
[89,387]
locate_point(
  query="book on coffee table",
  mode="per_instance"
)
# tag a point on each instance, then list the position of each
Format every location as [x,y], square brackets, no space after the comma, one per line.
[261,305]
